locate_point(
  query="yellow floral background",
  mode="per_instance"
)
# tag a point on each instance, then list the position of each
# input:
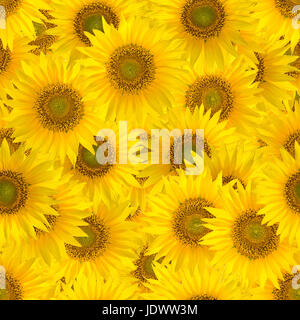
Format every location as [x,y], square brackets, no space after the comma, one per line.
[71,228]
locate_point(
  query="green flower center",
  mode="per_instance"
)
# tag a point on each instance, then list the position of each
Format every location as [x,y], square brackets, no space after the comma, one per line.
[59,106]
[253,239]
[8,193]
[94,244]
[90,17]
[213,99]
[130,69]
[256,231]
[93,22]
[147,266]
[203,16]
[194,225]
[88,241]
[297,191]
[90,158]
[188,225]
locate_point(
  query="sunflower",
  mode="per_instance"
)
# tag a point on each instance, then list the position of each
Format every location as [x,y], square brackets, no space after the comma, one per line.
[204,283]
[215,136]
[26,187]
[140,269]
[106,246]
[206,28]
[24,280]
[280,194]
[71,208]
[103,181]
[133,72]
[273,71]
[230,91]
[282,129]
[176,217]
[74,19]
[95,287]
[236,163]
[10,63]
[55,103]
[285,291]
[19,16]
[275,16]
[243,243]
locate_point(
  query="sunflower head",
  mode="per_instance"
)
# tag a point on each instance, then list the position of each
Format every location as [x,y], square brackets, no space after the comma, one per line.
[203,19]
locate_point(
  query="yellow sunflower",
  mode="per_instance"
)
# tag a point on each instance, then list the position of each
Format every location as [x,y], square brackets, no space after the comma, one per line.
[204,283]
[104,248]
[134,70]
[71,208]
[206,28]
[19,15]
[236,163]
[95,287]
[273,71]
[55,103]
[230,91]
[26,187]
[10,63]
[280,194]
[141,267]
[103,181]
[24,280]
[282,129]
[243,243]
[176,217]
[288,286]
[275,16]
[215,136]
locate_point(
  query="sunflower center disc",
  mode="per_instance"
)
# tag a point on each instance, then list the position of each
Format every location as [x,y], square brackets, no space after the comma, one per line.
[203,19]
[93,22]
[187,224]
[94,244]
[256,231]
[286,7]
[292,192]
[213,99]
[87,163]
[131,68]
[8,193]
[90,17]
[214,92]
[289,144]
[203,16]
[59,108]
[297,191]
[89,240]
[13,192]
[253,239]
[194,225]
